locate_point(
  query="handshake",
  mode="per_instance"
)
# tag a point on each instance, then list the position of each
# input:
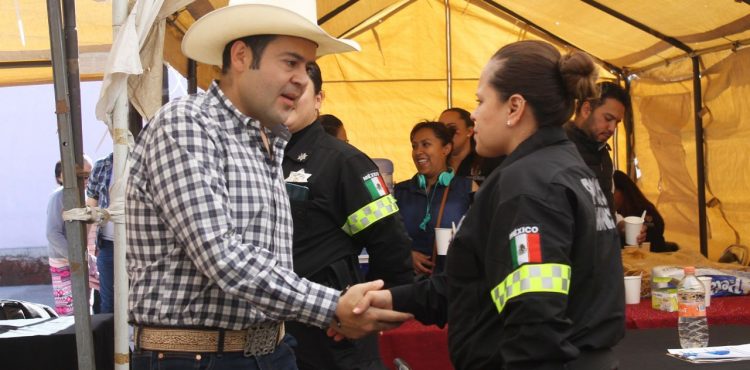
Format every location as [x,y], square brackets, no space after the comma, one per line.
[365,309]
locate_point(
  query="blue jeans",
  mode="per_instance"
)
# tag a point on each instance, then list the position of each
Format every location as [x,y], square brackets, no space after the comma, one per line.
[281,359]
[105,265]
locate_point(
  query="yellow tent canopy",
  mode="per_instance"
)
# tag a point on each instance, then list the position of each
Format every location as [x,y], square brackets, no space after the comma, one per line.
[421,56]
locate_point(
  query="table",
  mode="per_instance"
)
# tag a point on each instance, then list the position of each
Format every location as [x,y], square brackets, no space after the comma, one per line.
[35,344]
[723,311]
[645,349]
[426,347]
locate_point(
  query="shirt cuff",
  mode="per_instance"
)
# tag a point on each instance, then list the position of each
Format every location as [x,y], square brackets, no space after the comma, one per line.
[319,305]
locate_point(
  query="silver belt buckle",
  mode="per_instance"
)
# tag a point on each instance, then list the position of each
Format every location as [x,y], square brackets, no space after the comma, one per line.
[261,339]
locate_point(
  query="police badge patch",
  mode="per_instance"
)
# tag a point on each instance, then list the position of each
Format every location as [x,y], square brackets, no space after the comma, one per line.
[525,245]
[375,185]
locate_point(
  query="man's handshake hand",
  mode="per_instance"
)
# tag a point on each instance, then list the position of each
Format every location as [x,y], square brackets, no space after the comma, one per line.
[365,309]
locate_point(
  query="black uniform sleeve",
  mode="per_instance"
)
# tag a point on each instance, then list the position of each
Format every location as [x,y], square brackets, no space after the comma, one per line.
[426,300]
[386,240]
[533,233]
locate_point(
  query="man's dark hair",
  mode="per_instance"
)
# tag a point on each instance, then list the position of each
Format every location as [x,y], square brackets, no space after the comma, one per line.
[58,172]
[257,45]
[313,70]
[608,90]
[331,124]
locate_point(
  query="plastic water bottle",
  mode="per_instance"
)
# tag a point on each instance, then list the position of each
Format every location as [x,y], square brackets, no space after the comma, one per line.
[692,324]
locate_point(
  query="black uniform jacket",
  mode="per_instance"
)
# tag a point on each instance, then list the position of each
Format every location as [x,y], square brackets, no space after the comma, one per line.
[596,156]
[534,274]
[331,180]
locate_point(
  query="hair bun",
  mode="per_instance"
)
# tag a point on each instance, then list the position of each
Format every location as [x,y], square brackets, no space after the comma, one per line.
[579,75]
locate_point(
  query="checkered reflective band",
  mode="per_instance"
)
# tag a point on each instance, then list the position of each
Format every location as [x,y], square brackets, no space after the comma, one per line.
[369,214]
[546,277]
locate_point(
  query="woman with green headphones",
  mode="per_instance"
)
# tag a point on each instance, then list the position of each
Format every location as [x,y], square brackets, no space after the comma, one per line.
[433,195]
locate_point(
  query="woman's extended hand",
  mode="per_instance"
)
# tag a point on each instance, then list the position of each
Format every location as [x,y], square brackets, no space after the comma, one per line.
[421,262]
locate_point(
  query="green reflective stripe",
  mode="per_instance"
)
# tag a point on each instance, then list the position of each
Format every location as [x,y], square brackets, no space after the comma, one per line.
[547,277]
[369,214]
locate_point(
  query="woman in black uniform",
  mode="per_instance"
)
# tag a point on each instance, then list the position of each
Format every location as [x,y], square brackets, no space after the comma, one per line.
[533,277]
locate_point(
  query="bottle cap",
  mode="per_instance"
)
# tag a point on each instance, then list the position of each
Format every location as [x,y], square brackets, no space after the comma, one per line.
[689,270]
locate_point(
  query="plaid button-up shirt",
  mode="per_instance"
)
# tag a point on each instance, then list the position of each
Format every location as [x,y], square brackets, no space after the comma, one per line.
[99,181]
[208,223]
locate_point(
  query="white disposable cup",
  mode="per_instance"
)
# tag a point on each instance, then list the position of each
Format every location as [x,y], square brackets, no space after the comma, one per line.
[706,280]
[443,236]
[633,289]
[633,225]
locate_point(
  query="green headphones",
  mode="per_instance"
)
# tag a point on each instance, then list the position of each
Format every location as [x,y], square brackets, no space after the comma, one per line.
[444,179]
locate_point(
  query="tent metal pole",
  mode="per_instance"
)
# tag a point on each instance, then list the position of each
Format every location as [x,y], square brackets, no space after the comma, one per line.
[699,157]
[629,135]
[611,67]
[72,159]
[120,155]
[448,56]
[336,11]
[164,84]
[192,77]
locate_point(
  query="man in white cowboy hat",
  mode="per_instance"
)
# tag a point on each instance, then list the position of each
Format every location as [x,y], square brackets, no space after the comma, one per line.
[208,222]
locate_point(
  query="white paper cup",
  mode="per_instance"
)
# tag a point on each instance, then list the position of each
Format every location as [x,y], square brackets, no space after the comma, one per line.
[633,289]
[706,280]
[443,236]
[633,227]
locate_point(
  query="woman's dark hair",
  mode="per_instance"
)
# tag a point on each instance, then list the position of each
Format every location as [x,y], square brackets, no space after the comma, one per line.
[464,114]
[256,43]
[313,70]
[331,124]
[550,83]
[441,131]
[634,202]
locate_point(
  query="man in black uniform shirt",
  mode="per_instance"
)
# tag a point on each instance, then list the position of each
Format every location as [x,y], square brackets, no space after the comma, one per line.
[595,122]
[340,204]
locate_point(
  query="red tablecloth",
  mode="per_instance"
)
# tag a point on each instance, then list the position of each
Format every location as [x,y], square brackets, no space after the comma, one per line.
[426,347]
[723,311]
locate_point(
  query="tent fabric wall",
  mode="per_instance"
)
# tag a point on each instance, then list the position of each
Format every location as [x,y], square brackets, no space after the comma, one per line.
[665,148]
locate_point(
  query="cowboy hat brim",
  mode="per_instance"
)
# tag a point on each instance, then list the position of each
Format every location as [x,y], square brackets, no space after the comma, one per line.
[205,40]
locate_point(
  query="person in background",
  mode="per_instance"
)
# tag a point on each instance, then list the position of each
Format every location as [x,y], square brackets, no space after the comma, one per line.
[464,158]
[594,124]
[208,223]
[331,183]
[97,195]
[542,287]
[433,194]
[57,247]
[630,201]
[333,126]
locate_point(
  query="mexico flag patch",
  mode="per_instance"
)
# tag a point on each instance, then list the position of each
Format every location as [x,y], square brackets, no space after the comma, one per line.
[525,245]
[375,185]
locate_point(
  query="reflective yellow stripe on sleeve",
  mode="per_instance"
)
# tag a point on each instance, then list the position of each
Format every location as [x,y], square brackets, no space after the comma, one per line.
[547,277]
[369,214]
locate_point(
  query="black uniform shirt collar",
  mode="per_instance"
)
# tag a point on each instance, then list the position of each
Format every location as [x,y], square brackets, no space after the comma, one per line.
[544,136]
[302,142]
[580,136]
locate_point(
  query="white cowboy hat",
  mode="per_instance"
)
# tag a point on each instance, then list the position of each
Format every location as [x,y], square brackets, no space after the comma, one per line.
[205,40]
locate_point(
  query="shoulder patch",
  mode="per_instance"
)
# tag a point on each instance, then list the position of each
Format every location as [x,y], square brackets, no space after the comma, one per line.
[375,185]
[525,245]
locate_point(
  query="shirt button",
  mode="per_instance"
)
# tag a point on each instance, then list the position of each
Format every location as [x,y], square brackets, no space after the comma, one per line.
[160,356]
[198,357]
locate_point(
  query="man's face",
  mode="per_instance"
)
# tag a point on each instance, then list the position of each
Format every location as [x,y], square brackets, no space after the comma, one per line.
[271,92]
[463,134]
[601,123]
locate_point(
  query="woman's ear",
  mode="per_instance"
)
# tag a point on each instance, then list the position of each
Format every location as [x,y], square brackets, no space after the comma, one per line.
[517,106]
